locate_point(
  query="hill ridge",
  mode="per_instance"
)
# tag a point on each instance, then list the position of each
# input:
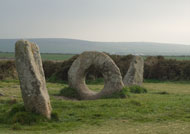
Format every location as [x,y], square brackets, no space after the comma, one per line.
[76,46]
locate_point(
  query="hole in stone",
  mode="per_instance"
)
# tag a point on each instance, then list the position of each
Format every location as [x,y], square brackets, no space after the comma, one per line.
[94,79]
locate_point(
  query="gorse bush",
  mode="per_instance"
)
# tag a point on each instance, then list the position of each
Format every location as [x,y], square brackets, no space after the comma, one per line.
[50,67]
[155,67]
[166,69]
[62,69]
[7,70]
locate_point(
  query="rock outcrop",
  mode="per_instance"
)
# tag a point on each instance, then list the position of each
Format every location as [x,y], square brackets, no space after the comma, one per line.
[111,74]
[135,73]
[31,76]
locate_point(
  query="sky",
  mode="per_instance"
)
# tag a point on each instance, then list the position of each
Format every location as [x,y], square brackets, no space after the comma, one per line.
[166,21]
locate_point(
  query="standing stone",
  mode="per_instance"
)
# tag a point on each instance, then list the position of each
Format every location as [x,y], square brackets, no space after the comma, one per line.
[32,80]
[135,73]
[111,73]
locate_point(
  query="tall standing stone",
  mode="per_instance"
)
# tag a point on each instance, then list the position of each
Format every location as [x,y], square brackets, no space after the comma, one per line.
[32,80]
[135,73]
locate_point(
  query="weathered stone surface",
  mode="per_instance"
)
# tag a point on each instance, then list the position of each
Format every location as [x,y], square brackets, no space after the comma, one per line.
[135,73]
[111,73]
[31,76]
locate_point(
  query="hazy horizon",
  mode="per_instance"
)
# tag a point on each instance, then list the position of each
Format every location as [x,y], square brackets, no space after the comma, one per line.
[61,45]
[97,41]
[163,21]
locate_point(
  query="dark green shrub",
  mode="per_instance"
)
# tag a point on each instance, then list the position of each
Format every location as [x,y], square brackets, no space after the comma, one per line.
[16,126]
[54,116]
[27,118]
[163,93]
[69,92]
[18,114]
[135,102]
[137,89]
[122,94]
[16,109]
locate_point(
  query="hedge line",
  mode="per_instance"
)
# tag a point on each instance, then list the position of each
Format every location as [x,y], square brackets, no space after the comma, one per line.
[155,68]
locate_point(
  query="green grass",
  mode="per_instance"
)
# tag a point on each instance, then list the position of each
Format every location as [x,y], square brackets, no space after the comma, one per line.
[151,113]
[178,57]
[51,56]
[45,56]
[6,55]
[56,56]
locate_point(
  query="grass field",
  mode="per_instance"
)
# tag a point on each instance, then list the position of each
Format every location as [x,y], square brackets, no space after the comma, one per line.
[47,56]
[178,57]
[165,109]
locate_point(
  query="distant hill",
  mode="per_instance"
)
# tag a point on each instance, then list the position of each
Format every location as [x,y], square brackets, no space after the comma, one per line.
[62,45]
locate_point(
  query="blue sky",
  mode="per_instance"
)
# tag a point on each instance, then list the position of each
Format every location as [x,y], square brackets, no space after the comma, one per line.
[97,20]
